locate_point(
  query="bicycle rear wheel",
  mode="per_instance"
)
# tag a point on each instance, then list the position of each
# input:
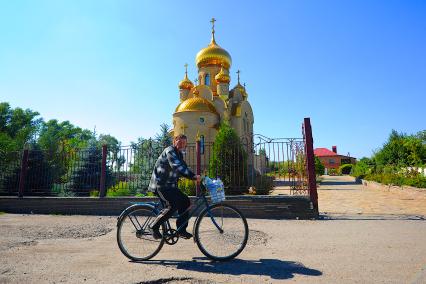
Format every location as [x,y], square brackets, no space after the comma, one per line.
[133,237]
[227,238]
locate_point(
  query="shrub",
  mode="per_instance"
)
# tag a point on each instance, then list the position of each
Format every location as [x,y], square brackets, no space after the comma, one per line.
[187,186]
[229,159]
[121,189]
[416,180]
[62,191]
[345,169]
[263,184]
[94,193]
[362,168]
[319,167]
[332,172]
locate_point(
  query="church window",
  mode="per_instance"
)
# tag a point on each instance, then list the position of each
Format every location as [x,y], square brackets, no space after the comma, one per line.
[202,144]
[202,120]
[207,80]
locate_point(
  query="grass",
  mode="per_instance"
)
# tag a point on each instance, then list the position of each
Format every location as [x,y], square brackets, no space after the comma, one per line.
[2,213]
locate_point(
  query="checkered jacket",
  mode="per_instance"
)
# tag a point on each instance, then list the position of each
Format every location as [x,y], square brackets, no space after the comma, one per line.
[167,170]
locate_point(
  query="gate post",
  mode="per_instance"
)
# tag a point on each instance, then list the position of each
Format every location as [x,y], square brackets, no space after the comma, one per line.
[102,191]
[23,175]
[310,163]
[198,168]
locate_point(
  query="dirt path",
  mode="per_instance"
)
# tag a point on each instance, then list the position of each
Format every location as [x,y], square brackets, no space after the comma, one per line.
[341,195]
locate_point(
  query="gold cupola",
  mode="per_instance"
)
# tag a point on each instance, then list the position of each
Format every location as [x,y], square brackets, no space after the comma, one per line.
[222,77]
[213,54]
[186,83]
[239,86]
[196,104]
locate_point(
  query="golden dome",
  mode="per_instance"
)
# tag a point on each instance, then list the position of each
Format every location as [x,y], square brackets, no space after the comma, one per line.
[186,83]
[221,77]
[213,54]
[196,104]
[239,87]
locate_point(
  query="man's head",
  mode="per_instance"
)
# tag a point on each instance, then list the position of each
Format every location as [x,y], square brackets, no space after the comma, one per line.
[180,142]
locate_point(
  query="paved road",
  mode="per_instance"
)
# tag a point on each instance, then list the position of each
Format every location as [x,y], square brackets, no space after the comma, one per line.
[344,247]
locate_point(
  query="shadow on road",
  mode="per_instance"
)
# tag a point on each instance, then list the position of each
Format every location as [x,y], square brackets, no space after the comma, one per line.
[275,268]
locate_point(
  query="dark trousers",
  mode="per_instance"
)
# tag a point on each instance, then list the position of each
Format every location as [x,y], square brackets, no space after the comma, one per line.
[174,200]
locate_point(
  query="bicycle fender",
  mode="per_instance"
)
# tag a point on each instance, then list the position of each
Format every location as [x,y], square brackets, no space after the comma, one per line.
[132,207]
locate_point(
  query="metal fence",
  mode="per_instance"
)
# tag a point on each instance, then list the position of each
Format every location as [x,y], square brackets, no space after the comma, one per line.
[259,163]
[256,163]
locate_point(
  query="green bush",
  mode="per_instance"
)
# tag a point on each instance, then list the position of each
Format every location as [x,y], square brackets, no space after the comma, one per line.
[332,172]
[319,167]
[413,179]
[363,167]
[345,169]
[94,193]
[187,186]
[228,156]
[264,184]
[122,188]
[62,191]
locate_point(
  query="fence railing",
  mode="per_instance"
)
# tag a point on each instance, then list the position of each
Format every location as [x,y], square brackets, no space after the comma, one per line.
[257,162]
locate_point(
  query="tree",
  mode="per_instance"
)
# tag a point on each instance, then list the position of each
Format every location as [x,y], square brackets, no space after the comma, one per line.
[363,167]
[146,152]
[422,136]
[17,127]
[163,138]
[400,150]
[86,174]
[319,167]
[115,158]
[229,159]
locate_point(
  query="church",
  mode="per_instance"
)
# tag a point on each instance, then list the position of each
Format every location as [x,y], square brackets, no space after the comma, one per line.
[210,101]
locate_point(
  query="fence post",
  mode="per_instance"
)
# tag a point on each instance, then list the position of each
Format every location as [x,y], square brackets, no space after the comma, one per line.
[310,163]
[23,175]
[198,168]
[102,191]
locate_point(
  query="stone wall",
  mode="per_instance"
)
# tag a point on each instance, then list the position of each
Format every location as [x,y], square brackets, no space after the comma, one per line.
[265,207]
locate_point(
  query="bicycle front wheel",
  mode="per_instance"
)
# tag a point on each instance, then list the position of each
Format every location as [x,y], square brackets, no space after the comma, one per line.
[133,237]
[221,232]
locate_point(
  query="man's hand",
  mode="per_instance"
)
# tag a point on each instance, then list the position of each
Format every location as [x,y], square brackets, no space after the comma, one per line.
[197,178]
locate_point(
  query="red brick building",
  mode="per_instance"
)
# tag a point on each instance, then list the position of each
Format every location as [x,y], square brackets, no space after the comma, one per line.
[332,160]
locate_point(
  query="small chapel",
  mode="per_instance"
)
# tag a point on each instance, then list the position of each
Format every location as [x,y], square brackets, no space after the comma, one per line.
[210,101]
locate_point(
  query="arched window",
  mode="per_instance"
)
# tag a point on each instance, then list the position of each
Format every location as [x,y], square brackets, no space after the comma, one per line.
[202,144]
[207,80]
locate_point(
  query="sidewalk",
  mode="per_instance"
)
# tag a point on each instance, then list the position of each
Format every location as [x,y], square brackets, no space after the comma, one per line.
[341,195]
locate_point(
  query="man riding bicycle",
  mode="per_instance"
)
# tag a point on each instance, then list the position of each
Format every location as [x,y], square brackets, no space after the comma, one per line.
[167,170]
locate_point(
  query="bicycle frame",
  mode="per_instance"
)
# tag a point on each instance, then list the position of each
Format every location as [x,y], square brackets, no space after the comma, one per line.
[199,202]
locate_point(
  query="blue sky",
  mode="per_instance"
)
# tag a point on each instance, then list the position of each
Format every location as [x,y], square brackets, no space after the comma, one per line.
[356,68]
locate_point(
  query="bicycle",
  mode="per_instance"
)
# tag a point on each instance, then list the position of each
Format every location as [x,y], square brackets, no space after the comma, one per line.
[220,230]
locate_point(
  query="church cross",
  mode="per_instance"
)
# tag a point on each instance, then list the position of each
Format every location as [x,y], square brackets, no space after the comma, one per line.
[238,73]
[186,68]
[212,21]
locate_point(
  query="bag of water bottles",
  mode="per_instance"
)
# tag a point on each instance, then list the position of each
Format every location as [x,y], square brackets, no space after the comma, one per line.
[215,188]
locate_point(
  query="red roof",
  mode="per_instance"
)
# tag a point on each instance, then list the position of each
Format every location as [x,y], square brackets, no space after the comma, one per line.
[323,152]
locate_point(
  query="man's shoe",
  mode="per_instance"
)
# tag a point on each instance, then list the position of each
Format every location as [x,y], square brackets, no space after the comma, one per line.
[155,233]
[185,235]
